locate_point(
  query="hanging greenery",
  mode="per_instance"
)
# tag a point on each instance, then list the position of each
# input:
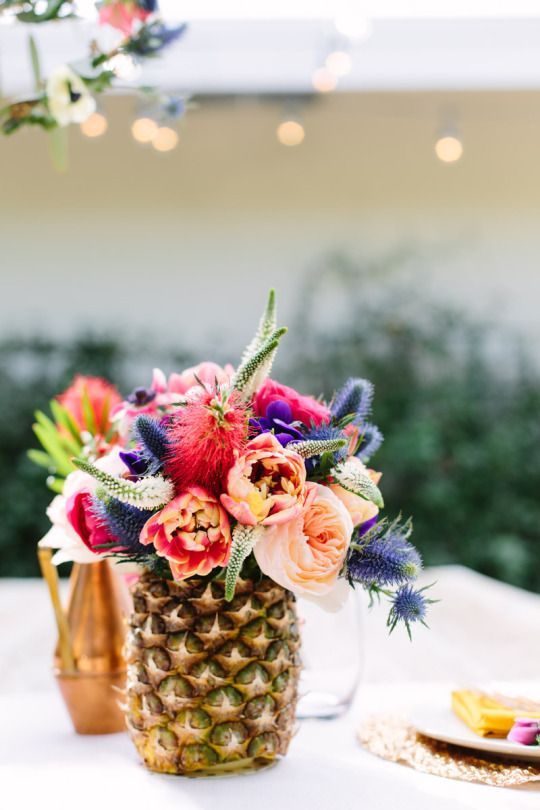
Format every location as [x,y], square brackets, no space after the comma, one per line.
[67,94]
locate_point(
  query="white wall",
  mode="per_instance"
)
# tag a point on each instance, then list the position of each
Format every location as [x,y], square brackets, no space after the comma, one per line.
[184,245]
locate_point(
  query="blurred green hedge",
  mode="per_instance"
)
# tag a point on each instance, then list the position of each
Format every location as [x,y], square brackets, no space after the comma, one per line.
[458,404]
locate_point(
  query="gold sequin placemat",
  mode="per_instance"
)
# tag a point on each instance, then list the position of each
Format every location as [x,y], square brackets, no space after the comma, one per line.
[393,738]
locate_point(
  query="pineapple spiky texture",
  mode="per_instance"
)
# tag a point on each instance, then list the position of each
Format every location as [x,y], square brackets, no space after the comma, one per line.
[212,685]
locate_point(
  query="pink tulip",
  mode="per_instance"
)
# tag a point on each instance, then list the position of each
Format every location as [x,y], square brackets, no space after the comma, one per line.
[266,484]
[192,532]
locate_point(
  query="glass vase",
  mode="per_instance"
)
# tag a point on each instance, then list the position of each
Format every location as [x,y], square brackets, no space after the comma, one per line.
[332,656]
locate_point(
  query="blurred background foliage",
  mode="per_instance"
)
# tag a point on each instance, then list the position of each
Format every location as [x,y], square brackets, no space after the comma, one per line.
[457,401]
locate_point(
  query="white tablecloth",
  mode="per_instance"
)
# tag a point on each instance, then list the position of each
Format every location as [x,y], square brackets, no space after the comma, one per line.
[480,630]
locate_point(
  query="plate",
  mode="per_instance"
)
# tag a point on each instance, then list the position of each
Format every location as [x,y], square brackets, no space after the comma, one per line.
[440,723]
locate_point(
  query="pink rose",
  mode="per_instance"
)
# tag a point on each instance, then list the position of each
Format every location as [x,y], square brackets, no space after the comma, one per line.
[192,532]
[122,15]
[70,533]
[208,373]
[82,518]
[266,484]
[304,408]
[306,554]
[359,508]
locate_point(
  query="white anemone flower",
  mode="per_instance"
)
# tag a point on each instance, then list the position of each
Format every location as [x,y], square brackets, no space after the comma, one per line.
[68,97]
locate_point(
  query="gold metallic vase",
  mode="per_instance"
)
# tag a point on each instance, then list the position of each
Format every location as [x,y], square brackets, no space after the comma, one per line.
[88,662]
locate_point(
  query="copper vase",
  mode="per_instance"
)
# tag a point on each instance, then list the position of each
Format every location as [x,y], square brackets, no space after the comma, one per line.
[89,664]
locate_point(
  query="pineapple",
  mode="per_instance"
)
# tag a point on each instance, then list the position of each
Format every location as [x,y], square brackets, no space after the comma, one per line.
[212,685]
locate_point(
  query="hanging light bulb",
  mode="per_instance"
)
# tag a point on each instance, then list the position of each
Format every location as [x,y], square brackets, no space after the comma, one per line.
[165,139]
[339,63]
[94,126]
[323,80]
[290,132]
[448,148]
[144,129]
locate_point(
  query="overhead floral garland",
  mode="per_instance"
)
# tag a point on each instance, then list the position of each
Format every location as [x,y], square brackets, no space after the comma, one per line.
[67,94]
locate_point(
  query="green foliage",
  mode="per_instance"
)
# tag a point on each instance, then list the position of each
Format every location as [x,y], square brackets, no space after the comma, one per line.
[354,479]
[458,404]
[256,367]
[316,447]
[243,540]
[459,412]
[151,492]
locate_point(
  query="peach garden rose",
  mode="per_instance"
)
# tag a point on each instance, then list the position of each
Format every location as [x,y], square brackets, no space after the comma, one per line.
[192,532]
[266,484]
[307,553]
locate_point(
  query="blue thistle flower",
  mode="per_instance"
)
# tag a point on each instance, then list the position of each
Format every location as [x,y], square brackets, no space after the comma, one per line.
[322,433]
[153,38]
[384,557]
[152,438]
[353,398]
[124,521]
[408,606]
[370,442]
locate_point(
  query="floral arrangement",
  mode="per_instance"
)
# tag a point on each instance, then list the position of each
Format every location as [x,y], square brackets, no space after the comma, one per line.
[67,95]
[220,472]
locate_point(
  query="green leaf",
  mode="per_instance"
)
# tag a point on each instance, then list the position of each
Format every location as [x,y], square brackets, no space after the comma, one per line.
[56,484]
[88,413]
[267,325]
[150,493]
[64,417]
[36,68]
[53,447]
[252,371]
[66,442]
[355,479]
[51,13]
[40,458]
[243,541]
[58,148]
[104,416]
[316,447]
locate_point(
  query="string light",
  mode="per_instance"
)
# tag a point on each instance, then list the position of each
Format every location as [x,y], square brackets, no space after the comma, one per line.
[290,133]
[144,130]
[323,81]
[448,148]
[165,139]
[339,63]
[94,126]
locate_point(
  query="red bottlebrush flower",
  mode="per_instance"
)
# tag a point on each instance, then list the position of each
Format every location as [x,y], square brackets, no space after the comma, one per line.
[100,396]
[205,438]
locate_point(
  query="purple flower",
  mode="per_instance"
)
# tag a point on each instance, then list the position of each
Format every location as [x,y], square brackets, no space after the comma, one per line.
[141,396]
[353,399]
[134,461]
[278,419]
[384,557]
[408,606]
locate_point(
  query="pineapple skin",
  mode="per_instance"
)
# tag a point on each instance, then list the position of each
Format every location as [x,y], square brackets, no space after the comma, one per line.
[212,685]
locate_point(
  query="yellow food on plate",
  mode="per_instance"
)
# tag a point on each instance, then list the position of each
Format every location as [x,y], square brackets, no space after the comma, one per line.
[491,715]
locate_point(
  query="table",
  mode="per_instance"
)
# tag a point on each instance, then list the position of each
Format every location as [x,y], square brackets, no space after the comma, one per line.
[481,630]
